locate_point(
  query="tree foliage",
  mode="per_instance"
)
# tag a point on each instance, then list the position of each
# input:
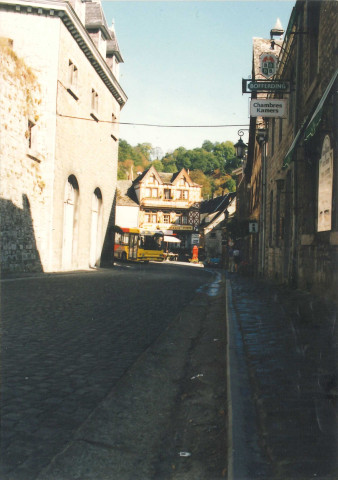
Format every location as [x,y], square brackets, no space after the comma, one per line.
[210,165]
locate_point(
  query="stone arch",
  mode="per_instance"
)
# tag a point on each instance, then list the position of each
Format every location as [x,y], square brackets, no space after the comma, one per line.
[70,222]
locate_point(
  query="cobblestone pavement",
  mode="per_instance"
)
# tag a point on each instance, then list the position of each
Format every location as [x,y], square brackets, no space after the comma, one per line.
[66,340]
[290,345]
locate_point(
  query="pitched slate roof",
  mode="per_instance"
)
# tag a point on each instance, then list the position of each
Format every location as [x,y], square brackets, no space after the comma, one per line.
[113,46]
[166,177]
[95,18]
[216,204]
[126,196]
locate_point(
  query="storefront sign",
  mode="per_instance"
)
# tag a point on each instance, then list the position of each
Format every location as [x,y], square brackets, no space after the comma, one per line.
[265,86]
[166,226]
[270,107]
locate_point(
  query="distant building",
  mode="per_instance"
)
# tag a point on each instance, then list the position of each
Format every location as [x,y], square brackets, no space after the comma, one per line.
[127,206]
[215,214]
[60,95]
[167,201]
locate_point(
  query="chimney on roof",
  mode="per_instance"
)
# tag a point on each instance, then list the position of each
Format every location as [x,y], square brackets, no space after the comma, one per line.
[277,31]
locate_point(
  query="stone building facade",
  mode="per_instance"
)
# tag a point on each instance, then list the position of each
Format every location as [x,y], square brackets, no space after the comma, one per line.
[298,158]
[60,97]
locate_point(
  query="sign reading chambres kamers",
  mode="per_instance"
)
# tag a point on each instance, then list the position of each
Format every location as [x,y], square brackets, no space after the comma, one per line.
[268,108]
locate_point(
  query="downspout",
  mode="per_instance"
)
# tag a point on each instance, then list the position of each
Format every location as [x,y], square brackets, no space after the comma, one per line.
[263,216]
[294,248]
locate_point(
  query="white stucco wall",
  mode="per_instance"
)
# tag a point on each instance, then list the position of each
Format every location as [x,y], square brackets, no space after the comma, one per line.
[127,217]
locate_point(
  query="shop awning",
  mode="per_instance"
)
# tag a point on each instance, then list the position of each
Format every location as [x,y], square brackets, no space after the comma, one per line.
[317,116]
[170,239]
[288,157]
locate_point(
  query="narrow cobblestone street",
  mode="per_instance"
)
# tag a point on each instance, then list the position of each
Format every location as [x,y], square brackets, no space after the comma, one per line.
[70,340]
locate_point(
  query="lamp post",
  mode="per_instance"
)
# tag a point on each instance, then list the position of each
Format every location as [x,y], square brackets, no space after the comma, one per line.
[240,146]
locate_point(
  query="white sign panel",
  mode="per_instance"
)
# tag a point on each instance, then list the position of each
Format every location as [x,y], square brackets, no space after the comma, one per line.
[195,239]
[253,227]
[268,108]
[325,182]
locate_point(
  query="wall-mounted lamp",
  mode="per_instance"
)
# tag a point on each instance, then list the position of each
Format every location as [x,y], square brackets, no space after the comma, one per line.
[261,135]
[240,146]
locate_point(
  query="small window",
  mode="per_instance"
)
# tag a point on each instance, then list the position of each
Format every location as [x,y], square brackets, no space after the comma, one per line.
[73,74]
[185,194]
[166,218]
[95,101]
[167,194]
[148,192]
[184,220]
[30,134]
[154,193]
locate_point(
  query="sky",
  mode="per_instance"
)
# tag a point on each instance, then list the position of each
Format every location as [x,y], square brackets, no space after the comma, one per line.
[183,65]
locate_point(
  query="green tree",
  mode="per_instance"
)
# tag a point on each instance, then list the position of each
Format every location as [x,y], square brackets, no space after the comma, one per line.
[200,178]
[158,165]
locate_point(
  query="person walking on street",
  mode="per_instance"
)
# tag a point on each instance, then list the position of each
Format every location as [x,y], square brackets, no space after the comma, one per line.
[231,259]
[237,258]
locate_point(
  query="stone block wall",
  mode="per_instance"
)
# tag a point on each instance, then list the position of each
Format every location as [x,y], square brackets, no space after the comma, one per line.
[24,196]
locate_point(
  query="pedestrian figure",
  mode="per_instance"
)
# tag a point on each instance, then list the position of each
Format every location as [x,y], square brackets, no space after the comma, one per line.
[237,258]
[231,259]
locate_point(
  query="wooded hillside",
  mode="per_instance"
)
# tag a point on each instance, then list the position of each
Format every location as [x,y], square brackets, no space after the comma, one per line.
[210,166]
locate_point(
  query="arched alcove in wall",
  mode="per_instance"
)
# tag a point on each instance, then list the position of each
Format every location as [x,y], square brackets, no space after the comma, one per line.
[96,228]
[70,207]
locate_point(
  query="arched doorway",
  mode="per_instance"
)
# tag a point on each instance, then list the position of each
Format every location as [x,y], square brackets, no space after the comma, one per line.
[69,217]
[95,231]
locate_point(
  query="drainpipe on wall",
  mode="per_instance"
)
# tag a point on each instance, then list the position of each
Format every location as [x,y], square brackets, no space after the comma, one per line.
[263,215]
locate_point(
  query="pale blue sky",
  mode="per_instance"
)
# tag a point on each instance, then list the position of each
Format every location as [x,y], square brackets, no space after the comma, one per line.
[184,64]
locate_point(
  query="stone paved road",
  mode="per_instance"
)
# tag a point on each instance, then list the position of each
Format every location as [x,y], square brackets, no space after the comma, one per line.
[66,340]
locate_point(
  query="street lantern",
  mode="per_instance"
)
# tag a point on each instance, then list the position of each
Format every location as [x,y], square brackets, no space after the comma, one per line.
[240,146]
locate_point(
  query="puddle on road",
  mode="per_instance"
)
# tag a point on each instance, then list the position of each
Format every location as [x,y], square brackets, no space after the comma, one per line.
[212,289]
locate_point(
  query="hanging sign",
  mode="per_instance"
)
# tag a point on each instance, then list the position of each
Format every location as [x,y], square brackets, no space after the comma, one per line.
[253,227]
[268,64]
[270,107]
[265,86]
